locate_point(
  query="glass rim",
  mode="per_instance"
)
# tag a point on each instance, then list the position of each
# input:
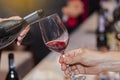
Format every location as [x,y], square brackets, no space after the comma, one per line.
[46,17]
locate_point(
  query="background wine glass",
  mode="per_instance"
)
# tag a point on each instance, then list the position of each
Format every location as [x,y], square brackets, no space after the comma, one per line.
[55,35]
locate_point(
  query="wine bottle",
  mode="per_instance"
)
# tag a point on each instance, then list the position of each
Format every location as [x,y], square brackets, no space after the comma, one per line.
[116,22]
[12,74]
[101,31]
[10,29]
[116,12]
[115,28]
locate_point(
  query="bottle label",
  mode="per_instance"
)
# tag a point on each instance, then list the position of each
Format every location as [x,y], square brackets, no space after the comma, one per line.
[101,24]
[12,65]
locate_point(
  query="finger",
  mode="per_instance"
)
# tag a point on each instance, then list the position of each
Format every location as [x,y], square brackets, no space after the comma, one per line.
[14,18]
[18,43]
[61,60]
[63,67]
[76,72]
[22,35]
[67,72]
[1,19]
[24,32]
[10,18]
[73,68]
[80,68]
[19,40]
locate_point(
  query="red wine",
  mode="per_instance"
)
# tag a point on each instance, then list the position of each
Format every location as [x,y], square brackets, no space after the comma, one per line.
[57,45]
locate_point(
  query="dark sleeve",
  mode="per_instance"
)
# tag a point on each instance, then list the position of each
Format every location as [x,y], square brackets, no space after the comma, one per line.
[0,55]
[27,39]
[93,5]
[35,42]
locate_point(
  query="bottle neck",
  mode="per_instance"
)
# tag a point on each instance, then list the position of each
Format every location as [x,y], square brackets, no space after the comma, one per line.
[34,17]
[11,63]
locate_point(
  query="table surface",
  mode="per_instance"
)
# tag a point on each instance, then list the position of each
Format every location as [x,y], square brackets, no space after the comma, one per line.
[49,67]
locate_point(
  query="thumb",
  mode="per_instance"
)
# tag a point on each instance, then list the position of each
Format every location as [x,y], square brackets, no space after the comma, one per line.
[74,56]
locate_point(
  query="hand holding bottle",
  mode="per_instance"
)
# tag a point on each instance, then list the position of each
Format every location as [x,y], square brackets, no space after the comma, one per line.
[23,32]
[13,28]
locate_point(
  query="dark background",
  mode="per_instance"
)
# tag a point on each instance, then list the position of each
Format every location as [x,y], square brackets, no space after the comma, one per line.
[21,8]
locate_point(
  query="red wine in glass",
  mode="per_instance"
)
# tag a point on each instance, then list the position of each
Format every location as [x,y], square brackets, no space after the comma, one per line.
[57,45]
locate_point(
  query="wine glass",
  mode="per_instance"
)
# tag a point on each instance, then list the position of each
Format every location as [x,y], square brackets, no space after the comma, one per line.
[55,35]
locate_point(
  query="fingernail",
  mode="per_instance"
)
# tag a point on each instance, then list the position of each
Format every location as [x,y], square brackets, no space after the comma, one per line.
[19,38]
[63,56]
[18,43]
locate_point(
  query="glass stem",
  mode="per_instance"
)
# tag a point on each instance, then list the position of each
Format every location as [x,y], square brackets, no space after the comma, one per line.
[72,77]
[68,66]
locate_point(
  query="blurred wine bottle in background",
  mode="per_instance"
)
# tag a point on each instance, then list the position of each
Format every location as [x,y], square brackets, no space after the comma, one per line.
[116,12]
[114,37]
[12,74]
[101,35]
[111,37]
[102,30]
[116,22]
